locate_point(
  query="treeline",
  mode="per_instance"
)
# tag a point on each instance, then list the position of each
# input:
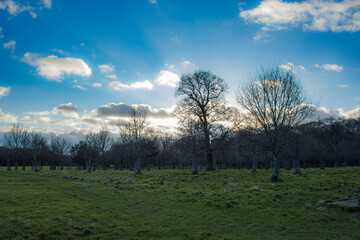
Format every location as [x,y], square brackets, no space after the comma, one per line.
[328,143]
[274,131]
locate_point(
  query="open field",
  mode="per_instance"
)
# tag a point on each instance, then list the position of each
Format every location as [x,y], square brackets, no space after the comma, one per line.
[173,204]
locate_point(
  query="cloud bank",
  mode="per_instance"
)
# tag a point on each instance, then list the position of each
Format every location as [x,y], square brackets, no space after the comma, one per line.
[310,15]
[66,110]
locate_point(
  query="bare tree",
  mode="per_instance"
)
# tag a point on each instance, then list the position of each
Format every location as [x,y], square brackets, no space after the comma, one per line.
[15,140]
[276,102]
[98,145]
[60,146]
[203,97]
[104,141]
[192,141]
[37,146]
[134,133]
[91,140]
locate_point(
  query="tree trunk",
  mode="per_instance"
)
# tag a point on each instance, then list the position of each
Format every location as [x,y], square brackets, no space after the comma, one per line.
[138,166]
[296,167]
[209,157]
[36,167]
[275,169]
[8,165]
[254,165]
[336,163]
[194,168]
[322,162]
[89,165]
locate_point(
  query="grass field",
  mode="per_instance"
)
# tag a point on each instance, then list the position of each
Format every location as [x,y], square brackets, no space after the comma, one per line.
[173,204]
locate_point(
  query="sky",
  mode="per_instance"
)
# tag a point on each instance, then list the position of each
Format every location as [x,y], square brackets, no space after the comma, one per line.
[72,66]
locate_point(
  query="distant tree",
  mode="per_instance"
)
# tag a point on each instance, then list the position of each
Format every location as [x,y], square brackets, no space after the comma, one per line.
[203,97]
[335,134]
[79,154]
[16,140]
[104,142]
[91,139]
[276,103]
[60,146]
[246,141]
[166,149]
[37,146]
[134,133]
[297,139]
[318,132]
[192,141]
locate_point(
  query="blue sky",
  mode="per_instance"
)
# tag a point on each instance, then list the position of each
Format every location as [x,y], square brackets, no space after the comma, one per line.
[63,61]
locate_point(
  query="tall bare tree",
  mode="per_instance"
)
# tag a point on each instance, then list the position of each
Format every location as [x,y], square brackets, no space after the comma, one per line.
[134,133]
[203,96]
[276,103]
[15,140]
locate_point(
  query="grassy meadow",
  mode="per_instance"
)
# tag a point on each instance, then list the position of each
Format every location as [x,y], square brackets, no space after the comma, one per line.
[173,204]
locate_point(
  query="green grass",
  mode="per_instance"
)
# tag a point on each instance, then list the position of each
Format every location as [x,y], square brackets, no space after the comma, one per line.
[173,204]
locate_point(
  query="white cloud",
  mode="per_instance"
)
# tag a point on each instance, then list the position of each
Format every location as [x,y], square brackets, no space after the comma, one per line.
[54,68]
[66,110]
[4,91]
[330,67]
[14,8]
[146,85]
[288,67]
[153,1]
[188,65]
[46,120]
[312,15]
[10,45]
[302,67]
[8,118]
[27,119]
[97,84]
[166,78]
[342,85]
[262,36]
[322,113]
[112,76]
[1,35]
[170,66]
[175,39]
[62,52]
[43,113]
[47,3]
[80,87]
[105,68]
